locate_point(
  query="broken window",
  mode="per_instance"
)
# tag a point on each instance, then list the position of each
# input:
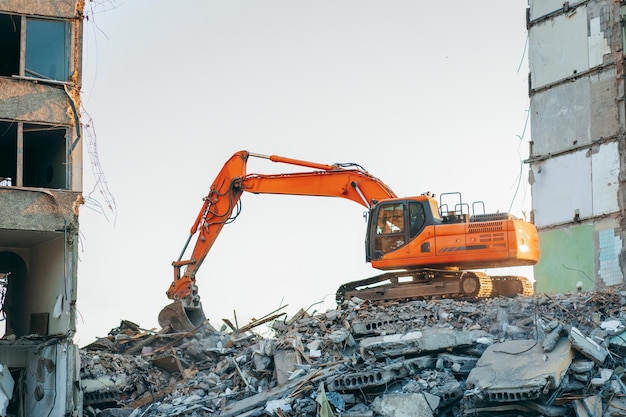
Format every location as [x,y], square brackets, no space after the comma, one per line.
[45,50]
[33,156]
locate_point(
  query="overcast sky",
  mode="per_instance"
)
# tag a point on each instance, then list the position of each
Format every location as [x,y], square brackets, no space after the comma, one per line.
[427,96]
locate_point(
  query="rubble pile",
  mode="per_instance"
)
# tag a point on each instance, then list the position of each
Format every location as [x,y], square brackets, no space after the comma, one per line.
[550,355]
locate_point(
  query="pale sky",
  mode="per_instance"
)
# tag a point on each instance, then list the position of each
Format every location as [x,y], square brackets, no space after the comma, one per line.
[427,96]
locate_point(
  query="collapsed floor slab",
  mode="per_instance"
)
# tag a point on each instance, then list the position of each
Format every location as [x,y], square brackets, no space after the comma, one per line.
[418,341]
[517,370]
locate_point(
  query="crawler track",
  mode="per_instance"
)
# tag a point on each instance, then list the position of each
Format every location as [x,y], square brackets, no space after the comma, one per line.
[512,285]
[429,283]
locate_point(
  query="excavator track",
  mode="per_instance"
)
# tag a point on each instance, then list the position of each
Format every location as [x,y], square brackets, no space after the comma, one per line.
[421,283]
[429,283]
[512,285]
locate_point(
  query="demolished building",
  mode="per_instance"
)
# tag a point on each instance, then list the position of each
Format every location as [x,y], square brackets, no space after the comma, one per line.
[550,355]
[362,359]
[40,192]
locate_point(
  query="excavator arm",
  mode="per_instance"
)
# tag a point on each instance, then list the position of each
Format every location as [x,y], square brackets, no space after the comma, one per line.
[221,206]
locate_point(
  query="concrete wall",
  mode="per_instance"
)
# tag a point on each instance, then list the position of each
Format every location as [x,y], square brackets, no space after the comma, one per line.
[53,297]
[576,186]
[573,115]
[557,48]
[53,8]
[542,8]
[577,129]
[586,254]
[38,103]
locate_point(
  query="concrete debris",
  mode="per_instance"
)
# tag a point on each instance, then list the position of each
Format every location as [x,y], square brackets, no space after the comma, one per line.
[509,371]
[549,355]
[587,346]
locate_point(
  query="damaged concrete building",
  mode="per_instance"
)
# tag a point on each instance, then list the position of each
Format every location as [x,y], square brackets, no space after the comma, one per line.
[40,192]
[577,114]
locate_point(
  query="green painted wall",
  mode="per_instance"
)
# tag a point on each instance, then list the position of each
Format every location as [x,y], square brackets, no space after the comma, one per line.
[567,257]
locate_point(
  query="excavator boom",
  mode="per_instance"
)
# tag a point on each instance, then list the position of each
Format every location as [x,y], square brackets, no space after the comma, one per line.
[220,206]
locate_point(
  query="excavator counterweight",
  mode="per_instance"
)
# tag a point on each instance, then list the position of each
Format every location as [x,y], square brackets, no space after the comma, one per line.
[429,248]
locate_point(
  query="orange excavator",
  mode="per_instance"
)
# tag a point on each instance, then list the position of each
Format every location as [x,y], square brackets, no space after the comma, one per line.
[428,248]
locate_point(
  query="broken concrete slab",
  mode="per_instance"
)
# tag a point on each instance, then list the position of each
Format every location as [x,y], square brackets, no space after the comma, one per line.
[417,341]
[456,363]
[587,346]
[375,376]
[517,370]
[285,362]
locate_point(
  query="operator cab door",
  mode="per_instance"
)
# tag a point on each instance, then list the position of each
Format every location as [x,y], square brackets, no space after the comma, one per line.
[387,228]
[392,226]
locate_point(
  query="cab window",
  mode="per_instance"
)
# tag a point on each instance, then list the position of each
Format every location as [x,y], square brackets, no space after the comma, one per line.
[390,227]
[417,218]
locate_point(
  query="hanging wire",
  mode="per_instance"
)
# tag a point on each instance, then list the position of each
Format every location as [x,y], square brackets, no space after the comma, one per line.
[522,135]
[99,198]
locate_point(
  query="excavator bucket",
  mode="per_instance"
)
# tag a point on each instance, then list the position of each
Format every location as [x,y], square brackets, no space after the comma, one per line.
[181,318]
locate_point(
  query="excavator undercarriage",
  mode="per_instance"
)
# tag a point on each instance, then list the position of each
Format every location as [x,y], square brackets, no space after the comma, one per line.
[433,283]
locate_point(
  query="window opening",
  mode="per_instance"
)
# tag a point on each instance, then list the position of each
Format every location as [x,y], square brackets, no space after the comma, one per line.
[10,29]
[47,49]
[15,294]
[8,153]
[45,157]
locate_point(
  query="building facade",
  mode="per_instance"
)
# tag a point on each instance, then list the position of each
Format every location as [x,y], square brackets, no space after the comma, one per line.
[40,196]
[576,88]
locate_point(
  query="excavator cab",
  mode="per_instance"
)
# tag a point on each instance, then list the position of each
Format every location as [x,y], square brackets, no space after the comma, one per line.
[393,224]
[418,232]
